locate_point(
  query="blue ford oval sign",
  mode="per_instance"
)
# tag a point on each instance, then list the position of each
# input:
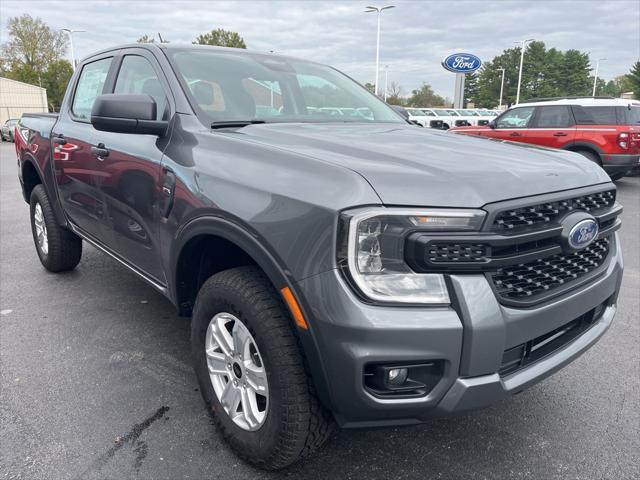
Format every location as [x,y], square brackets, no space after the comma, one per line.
[462,63]
[583,233]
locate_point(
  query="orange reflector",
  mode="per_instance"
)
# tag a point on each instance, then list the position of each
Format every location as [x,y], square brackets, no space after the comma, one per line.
[294,307]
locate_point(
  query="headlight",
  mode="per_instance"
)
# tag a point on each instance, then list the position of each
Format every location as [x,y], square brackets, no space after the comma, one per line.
[371,251]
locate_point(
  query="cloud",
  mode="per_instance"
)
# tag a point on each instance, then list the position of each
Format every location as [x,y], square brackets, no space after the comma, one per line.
[416,35]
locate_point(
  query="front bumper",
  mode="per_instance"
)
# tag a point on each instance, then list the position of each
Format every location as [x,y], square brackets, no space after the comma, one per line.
[620,164]
[469,340]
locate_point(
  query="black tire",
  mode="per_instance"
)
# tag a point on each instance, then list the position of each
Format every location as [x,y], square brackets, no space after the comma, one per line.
[593,156]
[64,247]
[295,424]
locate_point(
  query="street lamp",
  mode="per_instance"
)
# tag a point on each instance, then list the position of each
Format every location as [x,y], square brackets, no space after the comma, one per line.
[71,32]
[379,10]
[501,88]
[595,77]
[522,47]
[386,80]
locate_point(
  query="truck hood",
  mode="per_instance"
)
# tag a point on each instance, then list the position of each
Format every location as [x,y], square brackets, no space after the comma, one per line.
[409,165]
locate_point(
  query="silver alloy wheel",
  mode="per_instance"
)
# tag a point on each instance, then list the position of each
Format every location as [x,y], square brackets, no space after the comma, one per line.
[237,372]
[41,229]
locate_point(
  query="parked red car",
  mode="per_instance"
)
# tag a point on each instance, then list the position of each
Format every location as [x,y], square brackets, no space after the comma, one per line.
[605,130]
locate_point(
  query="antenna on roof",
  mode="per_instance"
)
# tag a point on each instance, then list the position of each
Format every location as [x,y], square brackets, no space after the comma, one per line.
[161,39]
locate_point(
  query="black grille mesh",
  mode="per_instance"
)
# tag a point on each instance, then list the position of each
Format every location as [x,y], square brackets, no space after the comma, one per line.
[536,216]
[529,279]
[439,252]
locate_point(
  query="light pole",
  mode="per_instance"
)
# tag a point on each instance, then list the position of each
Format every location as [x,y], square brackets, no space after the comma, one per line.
[501,88]
[522,47]
[379,10]
[595,77]
[73,55]
[386,80]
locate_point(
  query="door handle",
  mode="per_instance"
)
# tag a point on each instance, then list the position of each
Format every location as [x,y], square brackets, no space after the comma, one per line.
[168,187]
[100,151]
[559,134]
[515,134]
[58,140]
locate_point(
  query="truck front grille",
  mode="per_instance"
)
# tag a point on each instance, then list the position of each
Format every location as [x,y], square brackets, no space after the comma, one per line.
[443,252]
[541,214]
[533,278]
[522,248]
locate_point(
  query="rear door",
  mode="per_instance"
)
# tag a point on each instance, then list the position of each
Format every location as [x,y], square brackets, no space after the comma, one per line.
[76,167]
[553,126]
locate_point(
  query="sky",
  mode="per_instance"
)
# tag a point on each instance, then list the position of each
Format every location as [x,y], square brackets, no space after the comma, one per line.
[416,35]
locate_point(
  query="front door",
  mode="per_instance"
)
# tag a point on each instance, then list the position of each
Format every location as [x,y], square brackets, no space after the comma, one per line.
[131,169]
[511,125]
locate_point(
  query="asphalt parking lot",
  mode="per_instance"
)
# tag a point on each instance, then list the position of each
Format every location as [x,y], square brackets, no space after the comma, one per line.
[96,383]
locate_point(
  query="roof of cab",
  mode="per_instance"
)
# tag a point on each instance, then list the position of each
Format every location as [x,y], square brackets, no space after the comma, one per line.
[584,102]
[178,46]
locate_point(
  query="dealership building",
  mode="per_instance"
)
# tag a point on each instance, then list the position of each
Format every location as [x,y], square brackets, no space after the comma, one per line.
[17,98]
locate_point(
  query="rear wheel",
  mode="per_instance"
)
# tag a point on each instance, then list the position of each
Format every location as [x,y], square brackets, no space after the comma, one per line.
[58,248]
[251,371]
[594,157]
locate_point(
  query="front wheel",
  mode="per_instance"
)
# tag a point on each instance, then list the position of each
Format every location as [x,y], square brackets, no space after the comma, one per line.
[59,249]
[251,371]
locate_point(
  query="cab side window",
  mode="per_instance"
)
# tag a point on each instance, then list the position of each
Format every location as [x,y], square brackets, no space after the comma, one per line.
[137,76]
[554,117]
[90,85]
[515,118]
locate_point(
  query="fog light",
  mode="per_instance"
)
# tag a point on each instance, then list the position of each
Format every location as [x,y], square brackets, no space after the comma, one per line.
[397,376]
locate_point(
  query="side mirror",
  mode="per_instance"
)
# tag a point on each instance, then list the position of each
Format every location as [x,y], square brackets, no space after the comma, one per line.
[125,113]
[492,124]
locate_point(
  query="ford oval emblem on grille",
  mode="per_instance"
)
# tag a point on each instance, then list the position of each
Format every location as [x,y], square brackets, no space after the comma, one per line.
[583,233]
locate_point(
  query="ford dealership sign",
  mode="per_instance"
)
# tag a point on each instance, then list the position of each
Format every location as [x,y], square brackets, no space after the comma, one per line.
[462,63]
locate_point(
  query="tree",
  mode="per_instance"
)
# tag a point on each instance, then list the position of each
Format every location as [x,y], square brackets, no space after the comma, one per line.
[546,73]
[424,97]
[31,48]
[370,86]
[634,79]
[55,80]
[394,94]
[221,38]
[146,39]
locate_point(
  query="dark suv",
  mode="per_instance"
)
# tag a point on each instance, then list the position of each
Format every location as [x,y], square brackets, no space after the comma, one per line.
[349,270]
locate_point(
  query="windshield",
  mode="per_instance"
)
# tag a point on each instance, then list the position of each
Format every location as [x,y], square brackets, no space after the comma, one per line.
[440,112]
[473,113]
[229,86]
[415,112]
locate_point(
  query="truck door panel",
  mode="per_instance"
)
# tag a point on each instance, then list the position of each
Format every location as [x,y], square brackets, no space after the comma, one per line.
[129,179]
[74,164]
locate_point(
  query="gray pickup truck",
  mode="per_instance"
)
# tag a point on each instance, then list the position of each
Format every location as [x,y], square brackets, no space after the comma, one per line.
[342,270]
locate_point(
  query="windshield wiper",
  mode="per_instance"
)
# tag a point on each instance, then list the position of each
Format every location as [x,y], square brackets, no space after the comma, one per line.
[235,123]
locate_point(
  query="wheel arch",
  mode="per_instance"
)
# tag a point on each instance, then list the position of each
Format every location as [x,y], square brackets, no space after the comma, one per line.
[31,176]
[236,245]
[585,146]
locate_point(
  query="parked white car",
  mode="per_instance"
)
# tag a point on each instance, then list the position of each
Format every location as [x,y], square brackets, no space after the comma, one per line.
[418,115]
[448,116]
[470,115]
